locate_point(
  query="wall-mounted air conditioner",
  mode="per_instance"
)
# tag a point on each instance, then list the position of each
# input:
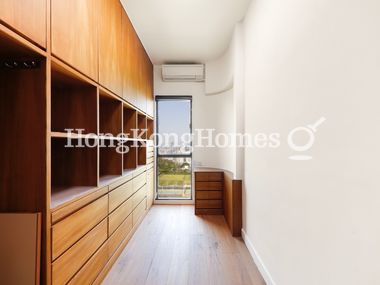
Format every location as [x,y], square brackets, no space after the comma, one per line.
[183,72]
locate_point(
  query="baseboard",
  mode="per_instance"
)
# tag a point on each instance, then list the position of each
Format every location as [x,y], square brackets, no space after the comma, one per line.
[257,259]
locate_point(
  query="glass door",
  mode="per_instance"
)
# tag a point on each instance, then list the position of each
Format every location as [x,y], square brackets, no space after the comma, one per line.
[174,151]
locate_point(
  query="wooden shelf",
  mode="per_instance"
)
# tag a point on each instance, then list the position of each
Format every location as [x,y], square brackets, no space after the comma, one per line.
[110,115]
[129,122]
[73,102]
[22,122]
[72,135]
[130,158]
[111,162]
[141,124]
[73,171]
[108,179]
[150,128]
[141,155]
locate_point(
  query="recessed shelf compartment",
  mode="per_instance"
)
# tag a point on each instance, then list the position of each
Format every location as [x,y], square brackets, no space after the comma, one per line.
[111,161]
[141,124]
[110,115]
[130,157]
[129,121]
[141,155]
[73,170]
[73,103]
[150,128]
[22,123]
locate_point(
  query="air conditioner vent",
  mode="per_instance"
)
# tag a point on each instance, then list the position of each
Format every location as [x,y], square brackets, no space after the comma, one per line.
[183,72]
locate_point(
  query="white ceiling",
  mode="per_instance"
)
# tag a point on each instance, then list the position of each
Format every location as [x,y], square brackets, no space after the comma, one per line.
[185,30]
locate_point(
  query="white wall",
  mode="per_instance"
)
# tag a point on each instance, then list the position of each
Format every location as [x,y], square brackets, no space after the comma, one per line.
[314,222]
[209,112]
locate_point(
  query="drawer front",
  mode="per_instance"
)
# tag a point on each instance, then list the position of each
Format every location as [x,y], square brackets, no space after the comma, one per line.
[119,215]
[150,154]
[139,181]
[92,268]
[119,235]
[139,196]
[150,149]
[208,204]
[209,176]
[139,212]
[71,229]
[208,186]
[208,195]
[73,259]
[119,195]
[72,207]
[209,211]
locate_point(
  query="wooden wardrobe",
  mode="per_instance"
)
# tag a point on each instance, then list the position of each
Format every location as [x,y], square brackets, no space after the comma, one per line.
[75,65]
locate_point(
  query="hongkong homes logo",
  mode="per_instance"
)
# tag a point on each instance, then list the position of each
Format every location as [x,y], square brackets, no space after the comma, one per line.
[174,143]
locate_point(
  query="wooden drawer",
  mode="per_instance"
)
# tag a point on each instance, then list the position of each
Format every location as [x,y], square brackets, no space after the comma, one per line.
[119,235]
[209,186]
[150,149]
[209,204]
[208,195]
[71,229]
[139,181]
[73,259]
[209,211]
[150,154]
[119,195]
[92,268]
[119,215]
[139,212]
[138,196]
[209,176]
[63,212]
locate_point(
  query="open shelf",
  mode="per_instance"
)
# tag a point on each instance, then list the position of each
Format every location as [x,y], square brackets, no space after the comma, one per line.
[141,155]
[110,115]
[73,171]
[111,162]
[22,123]
[141,124]
[130,158]
[150,128]
[73,103]
[129,121]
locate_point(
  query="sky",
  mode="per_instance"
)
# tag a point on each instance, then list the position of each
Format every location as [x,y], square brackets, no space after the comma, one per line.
[174,116]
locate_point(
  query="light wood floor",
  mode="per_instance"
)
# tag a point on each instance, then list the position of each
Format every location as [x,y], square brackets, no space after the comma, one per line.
[173,246]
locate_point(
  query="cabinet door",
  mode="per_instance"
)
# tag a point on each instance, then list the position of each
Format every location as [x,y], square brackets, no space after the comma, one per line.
[74,34]
[150,96]
[110,46]
[27,17]
[128,58]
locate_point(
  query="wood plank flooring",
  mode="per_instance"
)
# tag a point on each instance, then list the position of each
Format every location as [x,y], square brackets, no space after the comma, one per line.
[173,246]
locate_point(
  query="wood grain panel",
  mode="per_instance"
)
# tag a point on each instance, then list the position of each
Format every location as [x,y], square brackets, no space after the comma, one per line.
[139,196]
[208,186]
[139,212]
[119,195]
[119,235]
[70,208]
[139,181]
[110,46]
[75,39]
[209,204]
[209,176]
[68,231]
[206,195]
[27,17]
[119,215]
[88,273]
[72,260]
[233,203]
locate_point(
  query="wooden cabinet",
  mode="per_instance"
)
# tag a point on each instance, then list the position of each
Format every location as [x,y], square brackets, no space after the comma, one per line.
[129,60]
[209,192]
[81,28]
[27,17]
[110,45]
